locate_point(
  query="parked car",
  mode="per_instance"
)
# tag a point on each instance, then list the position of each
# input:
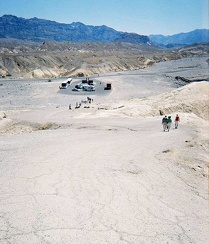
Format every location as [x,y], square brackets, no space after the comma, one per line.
[79,86]
[88,88]
[75,89]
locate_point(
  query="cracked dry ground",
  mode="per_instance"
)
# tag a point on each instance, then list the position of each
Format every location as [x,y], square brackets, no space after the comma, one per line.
[101,183]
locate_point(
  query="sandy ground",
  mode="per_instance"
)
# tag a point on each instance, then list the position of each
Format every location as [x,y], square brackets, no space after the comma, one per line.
[106,172]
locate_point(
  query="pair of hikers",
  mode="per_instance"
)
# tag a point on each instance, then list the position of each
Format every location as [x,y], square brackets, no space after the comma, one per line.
[167,121]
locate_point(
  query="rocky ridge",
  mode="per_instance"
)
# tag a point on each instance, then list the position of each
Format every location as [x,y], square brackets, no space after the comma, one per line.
[40,30]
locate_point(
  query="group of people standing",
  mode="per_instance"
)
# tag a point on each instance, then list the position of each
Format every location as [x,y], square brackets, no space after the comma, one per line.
[167,121]
[79,104]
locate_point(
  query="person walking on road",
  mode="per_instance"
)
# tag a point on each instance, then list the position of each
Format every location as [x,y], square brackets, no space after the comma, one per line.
[177,119]
[169,123]
[165,122]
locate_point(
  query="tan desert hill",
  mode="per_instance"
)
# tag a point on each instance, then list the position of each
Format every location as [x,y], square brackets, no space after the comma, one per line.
[192,98]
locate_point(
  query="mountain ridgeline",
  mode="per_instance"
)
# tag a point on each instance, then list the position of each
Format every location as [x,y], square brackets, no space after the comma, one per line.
[40,30]
[196,36]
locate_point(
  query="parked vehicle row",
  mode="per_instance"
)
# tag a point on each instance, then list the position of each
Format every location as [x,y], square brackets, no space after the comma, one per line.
[84,87]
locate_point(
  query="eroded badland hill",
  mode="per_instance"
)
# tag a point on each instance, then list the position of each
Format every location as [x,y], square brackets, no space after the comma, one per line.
[52,59]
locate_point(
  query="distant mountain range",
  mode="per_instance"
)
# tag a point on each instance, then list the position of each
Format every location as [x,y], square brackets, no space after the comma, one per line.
[196,36]
[40,30]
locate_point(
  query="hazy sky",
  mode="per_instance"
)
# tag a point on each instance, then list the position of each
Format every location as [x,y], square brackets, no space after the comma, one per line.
[144,17]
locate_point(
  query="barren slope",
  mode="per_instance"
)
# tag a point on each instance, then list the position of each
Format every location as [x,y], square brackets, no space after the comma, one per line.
[32,60]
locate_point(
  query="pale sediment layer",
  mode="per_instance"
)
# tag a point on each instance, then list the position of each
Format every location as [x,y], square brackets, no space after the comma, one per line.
[105,172]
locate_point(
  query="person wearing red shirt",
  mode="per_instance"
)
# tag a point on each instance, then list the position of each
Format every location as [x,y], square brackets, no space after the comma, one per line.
[177,119]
